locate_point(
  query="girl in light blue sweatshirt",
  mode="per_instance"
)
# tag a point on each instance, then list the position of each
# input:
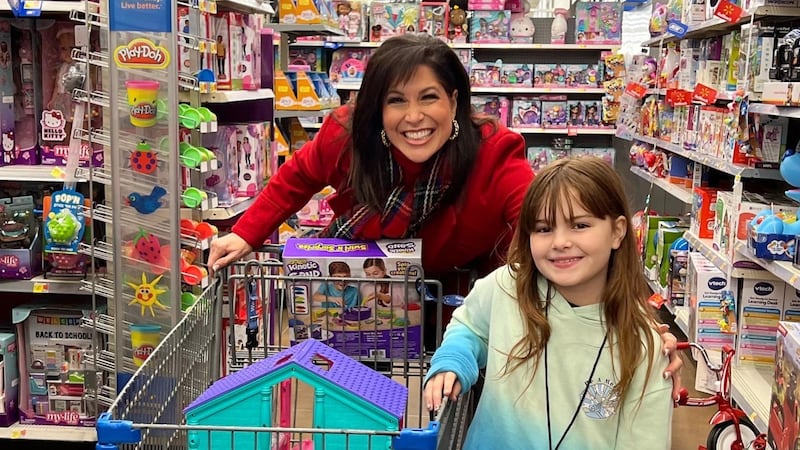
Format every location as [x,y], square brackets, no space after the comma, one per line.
[569,344]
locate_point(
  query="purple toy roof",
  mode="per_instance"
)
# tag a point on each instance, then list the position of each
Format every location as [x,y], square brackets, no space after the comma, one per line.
[345,372]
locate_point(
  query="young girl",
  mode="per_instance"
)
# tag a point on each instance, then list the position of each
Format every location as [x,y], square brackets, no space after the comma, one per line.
[568,342]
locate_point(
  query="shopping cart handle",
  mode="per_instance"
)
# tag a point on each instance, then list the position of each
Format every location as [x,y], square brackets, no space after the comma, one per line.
[111,432]
[417,438]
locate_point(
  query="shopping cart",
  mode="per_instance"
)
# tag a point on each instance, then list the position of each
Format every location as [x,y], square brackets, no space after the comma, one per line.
[265,315]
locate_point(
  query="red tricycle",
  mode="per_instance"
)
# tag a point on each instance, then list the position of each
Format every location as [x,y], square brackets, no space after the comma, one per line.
[732,429]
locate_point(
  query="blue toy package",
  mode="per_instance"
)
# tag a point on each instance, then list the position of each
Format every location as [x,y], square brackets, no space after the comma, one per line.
[65,223]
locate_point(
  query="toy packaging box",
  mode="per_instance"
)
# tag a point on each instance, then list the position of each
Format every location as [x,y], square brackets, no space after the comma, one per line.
[496,106]
[760,311]
[489,26]
[791,304]
[7,93]
[392,19]
[56,121]
[9,379]
[598,23]
[51,351]
[784,423]
[708,290]
[361,319]
[526,112]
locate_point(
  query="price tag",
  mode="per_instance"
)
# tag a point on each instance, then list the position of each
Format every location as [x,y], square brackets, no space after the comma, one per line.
[704,94]
[58,173]
[636,90]
[572,131]
[677,28]
[41,288]
[728,12]
[18,434]
[26,8]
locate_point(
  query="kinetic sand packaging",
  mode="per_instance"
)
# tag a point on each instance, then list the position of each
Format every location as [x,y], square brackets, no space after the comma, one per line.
[378,317]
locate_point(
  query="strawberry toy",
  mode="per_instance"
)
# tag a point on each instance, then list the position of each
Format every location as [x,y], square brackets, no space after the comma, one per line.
[147,248]
[144,159]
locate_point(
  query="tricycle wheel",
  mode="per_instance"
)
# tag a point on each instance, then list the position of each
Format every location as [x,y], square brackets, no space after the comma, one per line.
[723,435]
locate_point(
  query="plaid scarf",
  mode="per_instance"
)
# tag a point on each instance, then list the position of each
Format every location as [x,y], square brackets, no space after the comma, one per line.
[404,212]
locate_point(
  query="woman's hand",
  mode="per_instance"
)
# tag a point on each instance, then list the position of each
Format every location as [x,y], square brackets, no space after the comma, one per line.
[226,250]
[443,384]
[669,345]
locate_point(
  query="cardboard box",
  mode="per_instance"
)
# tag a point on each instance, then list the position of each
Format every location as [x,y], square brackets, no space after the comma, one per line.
[360,316]
[9,379]
[791,304]
[706,288]
[784,423]
[51,348]
[761,305]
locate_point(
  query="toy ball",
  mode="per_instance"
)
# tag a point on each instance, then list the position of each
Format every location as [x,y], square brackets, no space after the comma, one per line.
[770,225]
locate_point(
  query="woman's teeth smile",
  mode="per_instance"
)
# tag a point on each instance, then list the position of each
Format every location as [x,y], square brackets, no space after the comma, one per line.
[421,134]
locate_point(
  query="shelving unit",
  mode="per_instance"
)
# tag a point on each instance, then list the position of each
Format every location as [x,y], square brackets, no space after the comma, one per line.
[42,285]
[231,96]
[681,193]
[48,433]
[751,387]
[515,47]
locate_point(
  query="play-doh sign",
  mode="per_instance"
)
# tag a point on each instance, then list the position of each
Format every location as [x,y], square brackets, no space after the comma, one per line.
[141,54]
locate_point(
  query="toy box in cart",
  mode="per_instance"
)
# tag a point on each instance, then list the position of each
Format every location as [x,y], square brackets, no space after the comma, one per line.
[784,423]
[375,319]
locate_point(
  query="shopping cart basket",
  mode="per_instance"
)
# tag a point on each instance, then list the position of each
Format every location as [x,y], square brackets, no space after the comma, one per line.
[148,412]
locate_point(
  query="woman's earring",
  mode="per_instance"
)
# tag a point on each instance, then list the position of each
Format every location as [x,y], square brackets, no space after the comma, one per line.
[455,130]
[384,139]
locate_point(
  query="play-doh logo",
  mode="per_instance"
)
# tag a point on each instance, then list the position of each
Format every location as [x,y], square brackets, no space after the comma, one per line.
[763,288]
[10,261]
[143,111]
[402,247]
[141,54]
[303,268]
[143,351]
[717,283]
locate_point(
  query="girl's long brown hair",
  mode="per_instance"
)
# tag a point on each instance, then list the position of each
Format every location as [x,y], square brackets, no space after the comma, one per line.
[594,184]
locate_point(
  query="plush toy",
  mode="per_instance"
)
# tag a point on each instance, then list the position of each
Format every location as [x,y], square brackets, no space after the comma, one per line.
[457,25]
[522,28]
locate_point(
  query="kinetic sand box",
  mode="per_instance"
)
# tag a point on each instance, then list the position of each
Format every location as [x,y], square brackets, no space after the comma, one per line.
[374,313]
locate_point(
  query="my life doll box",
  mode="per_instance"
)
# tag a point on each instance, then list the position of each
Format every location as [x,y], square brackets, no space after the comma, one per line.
[53,373]
[9,379]
[372,314]
[56,121]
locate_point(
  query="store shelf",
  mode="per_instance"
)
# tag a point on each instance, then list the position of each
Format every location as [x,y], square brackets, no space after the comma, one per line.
[33,173]
[294,29]
[681,193]
[781,269]
[248,5]
[709,161]
[48,433]
[775,110]
[751,388]
[515,47]
[682,319]
[221,212]
[536,90]
[717,26]
[569,131]
[42,285]
[704,247]
[285,113]
[231,96]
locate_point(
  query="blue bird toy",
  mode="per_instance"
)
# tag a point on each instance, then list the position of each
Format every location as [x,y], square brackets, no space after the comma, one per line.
[146,204]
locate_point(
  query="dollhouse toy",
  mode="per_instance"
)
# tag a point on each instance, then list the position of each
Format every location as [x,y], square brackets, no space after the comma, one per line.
[347,395]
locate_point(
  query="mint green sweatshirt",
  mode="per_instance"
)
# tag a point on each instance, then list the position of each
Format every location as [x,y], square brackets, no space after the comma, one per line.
[483,332]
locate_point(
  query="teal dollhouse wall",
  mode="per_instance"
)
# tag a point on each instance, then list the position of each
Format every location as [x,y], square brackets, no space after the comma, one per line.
[251,405]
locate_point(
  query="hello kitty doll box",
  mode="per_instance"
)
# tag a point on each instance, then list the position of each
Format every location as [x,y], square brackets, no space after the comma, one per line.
[7,90]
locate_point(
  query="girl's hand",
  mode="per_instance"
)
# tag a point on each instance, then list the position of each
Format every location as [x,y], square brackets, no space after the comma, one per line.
[443,384]
[669,345]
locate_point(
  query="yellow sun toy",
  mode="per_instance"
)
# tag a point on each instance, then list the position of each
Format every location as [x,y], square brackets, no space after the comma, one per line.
[146,294]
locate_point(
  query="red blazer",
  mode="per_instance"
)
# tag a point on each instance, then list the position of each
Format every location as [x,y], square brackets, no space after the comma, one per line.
[475,230]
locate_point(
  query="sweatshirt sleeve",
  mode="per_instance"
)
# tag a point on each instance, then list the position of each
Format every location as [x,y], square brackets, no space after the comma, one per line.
[310,169]
[465,344]
[648,424]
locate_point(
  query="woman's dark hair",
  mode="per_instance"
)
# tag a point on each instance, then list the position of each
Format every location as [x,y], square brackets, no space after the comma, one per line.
[396,60]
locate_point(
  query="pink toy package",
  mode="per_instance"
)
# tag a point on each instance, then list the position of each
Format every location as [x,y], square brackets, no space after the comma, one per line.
[496,106]
[598,23]
[224,181]
[517,75]
[350,19]
[489,26]
[392,19]
[348,65]
[250,151]
[433,19]
[7,90]
[244,30]
[56,121]
[221,34]
[485,74]
[25,142]
[554,111]
[526,112]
